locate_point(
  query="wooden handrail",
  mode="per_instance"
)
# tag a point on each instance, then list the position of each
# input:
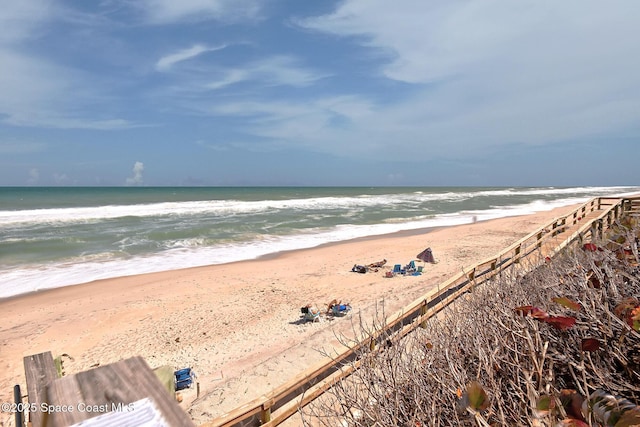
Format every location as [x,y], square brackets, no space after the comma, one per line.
[282,402]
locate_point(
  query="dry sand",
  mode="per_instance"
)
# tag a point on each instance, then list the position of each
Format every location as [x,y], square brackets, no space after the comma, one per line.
[237,325]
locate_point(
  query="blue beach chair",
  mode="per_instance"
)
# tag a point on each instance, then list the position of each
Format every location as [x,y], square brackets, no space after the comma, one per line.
[184,378]
[397,269]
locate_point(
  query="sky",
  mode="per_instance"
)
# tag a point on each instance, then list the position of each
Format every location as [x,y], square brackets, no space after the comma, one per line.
[311,93]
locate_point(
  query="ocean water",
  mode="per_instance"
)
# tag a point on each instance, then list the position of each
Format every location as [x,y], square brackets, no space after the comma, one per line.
[59,236]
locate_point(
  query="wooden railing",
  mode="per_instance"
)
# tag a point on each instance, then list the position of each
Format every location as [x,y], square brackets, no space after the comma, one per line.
[584,223]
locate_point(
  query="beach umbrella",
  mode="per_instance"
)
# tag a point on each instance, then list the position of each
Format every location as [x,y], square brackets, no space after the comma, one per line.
[426,256]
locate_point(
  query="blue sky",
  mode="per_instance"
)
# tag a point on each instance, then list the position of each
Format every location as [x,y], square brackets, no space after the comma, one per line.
[298,92]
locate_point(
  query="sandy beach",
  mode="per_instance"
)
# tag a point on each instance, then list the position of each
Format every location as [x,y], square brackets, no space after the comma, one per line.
[237,325]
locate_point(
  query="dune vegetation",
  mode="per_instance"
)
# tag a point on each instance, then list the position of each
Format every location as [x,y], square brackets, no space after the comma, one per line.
[559,345]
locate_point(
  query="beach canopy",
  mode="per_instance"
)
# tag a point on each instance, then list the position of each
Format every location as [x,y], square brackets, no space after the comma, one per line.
[426,256]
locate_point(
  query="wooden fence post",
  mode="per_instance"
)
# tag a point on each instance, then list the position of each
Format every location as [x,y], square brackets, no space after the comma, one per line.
[600,229]
[423,311]
[265,414]
[471,276]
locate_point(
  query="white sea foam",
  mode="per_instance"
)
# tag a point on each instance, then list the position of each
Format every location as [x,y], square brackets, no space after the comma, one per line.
[191,253]
[225,208]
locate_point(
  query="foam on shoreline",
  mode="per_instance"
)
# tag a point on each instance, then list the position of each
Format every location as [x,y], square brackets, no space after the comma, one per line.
[38,277]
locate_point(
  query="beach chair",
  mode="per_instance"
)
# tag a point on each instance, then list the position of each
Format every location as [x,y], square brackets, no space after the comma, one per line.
[397,269]
[412,265]
[407,269]
[310,314]
[184,378]
[420,269]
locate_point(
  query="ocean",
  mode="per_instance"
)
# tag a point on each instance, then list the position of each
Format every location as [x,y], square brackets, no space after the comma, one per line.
[59,236]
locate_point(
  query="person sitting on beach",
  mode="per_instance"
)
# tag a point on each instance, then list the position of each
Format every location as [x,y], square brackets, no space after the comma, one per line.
[331,305]
[337,308]
[376,265]
[310,313]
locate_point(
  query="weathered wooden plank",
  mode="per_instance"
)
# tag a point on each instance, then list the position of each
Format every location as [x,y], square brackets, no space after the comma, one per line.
[62,397]
[110,388]
[39,371]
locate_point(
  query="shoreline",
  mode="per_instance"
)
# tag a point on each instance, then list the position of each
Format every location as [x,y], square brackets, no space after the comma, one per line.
[400,233]
[20,279]
[265,257]
[238,324]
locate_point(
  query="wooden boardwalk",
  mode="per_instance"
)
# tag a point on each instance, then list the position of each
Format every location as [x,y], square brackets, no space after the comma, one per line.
[127,392]
[556,243]
[40,371]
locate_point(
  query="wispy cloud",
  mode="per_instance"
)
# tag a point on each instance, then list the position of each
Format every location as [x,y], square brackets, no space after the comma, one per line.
[20,20]
[429,41]
[349,107]
[35,91]
[420,76]
[321,125]
[171,11]
[229,78]
[498,72]
[484,74]
[272,71]
[20,147]
[284,71]
[168,61]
